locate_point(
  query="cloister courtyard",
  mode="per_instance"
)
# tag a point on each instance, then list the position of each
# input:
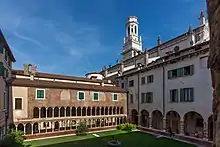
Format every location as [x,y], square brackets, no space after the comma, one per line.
[127,139]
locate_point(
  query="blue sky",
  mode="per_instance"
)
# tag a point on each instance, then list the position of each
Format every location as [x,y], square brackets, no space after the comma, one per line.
[74,37]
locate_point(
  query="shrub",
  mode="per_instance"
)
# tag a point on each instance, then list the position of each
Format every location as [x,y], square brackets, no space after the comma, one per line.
[126,127]
[82,129]
[13,139]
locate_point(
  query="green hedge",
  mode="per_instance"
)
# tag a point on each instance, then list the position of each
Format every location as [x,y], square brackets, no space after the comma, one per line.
[82,129]
[126,127]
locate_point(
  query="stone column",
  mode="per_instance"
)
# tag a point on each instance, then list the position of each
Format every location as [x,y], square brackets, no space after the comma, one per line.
[164,123]
[150,122]
[213,7]
[205,130]
[46,112]
[52,112]
[24,129]
[32,128]
[182,127]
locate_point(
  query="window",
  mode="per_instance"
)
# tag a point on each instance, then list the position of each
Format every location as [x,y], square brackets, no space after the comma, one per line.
[40,93]
[131,98]
[187,95]
[18,103]
[197,37]
[150,79]
[115,97]
[143,80]
[1,48]
[1,69]
[173,95]
[81,95]
[122,85]
[96,96]
[147,97]
[6,54]
[131,83]
[180,72]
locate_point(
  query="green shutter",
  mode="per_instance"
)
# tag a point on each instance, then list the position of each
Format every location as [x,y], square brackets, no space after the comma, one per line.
[191,94]
[1,48]
[142,98]
[96,96]
[81,95]
[182,95]
[40,93]
[115,97]
[180,72]
[169,74]
[191,70]
[1,69]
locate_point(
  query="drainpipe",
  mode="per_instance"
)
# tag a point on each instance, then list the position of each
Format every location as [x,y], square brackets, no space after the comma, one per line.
[127,92]
[138,96]
[164,92]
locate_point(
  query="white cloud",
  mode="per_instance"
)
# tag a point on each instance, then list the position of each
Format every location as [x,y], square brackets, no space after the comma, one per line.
[51,42]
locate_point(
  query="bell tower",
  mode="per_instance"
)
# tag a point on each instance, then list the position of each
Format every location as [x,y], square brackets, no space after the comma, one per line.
[132,45]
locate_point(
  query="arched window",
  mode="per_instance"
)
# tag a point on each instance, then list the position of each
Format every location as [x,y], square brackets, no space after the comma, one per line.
[128,30]
[135,29]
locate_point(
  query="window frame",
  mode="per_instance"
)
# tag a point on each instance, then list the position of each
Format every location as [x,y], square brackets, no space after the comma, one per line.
[184,96]
[94,96]
[113,96]
[22,106]
[171,94]
[143,80]
[150,79]
[36,94]
[131,85]
[83,94]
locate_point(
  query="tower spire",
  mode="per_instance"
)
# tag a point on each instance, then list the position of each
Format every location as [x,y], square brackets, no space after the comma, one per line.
[132,43]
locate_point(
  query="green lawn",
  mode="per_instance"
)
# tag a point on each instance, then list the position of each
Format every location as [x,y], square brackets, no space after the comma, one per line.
[133,139]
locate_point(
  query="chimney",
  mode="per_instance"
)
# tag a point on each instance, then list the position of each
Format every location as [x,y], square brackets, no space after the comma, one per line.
[146,57]
[158,41]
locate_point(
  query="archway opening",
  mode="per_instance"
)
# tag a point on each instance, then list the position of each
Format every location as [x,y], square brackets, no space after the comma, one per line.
[36,112]
[210,127]
[20,127]
[134,116]
[49,112]
[67,111]
[93,111]
[157,120]
[193,124]
[88,111]
[35,128]
[43,112]
[97,111]
[56,112]
[62,112]
[144,118]
[84,111]
[28,128]
[73,111]
[102,110]
[56,126]
[79,111]
[173,121]
[106,110]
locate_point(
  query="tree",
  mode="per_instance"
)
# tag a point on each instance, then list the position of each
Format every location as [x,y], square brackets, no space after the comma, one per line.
[13,139]
[82,129]
[213,7]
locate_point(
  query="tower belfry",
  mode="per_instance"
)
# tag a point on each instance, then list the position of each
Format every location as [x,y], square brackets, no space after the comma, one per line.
[132,42]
